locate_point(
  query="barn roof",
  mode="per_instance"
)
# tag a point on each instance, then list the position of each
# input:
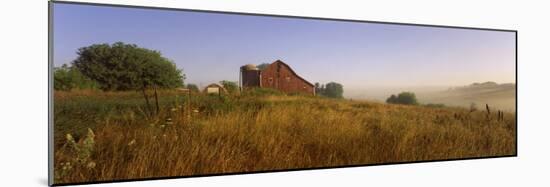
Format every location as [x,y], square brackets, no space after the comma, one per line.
[215,85]
[291,70]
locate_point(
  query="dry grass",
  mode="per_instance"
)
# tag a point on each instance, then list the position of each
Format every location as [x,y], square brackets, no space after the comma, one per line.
[245,134]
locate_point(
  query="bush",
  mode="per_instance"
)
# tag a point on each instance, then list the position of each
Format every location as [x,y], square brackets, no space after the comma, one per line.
[406,98]
[230,86]
[67,78]
[392,99]
[192,87]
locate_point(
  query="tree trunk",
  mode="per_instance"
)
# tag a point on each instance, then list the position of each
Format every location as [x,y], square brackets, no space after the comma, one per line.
[156,100]
[146,99]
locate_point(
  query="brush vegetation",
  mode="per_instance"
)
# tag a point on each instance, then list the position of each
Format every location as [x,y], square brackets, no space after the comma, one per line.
[101,136]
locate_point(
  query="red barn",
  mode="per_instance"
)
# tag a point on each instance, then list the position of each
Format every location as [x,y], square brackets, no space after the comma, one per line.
[278,75]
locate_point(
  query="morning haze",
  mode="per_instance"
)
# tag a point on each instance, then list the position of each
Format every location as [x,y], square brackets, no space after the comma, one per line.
[336,94]
[370,60]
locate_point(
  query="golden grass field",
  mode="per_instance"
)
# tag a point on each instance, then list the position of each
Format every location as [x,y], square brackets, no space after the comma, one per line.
[246,133]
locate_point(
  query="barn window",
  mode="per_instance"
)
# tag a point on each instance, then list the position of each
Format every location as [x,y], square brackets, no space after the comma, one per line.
[287,79]
[270,79]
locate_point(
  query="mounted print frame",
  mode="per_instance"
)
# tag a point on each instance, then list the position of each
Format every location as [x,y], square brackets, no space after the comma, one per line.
[143,93]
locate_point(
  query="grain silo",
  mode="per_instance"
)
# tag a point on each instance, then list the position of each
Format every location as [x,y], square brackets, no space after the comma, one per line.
[249,76]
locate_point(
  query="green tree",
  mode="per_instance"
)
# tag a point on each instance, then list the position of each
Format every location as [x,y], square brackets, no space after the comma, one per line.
[392,99]
[262,66]
[127,67]
[230,86]
[333,90]
[67,78]
[406,98]
[318,89]
[192,87]
[61,78]
[123,66]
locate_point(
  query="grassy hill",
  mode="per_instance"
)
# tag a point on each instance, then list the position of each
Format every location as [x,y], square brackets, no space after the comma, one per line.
[498,96]
[257,132]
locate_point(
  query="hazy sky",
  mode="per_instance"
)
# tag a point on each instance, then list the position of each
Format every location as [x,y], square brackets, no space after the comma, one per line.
[211,47]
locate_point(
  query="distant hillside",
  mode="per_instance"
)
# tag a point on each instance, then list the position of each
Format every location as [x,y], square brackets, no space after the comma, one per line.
[486,87]
[500,96]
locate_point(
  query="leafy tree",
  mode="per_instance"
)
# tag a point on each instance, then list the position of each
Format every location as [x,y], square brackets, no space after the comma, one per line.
[62,81]
[334,90]
[392,99]
[262,66]
[67,78]
[406,98]
[230,86]
[331,89]
[127,67]
[123,66]
[318,89]
[192,87]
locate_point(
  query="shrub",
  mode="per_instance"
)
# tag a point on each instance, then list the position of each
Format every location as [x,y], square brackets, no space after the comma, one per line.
[406,98]
[67,78]
[192,87]
[230,86]
[392,99]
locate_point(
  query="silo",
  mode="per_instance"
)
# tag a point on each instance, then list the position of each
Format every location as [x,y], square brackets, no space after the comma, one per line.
[249,76]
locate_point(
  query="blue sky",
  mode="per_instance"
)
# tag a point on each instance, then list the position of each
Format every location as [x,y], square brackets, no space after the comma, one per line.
[210,47]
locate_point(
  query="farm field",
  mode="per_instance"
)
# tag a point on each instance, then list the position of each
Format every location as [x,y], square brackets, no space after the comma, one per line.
[102,136]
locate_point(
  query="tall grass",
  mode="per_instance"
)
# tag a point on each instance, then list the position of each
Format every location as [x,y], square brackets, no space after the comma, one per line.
[257,133]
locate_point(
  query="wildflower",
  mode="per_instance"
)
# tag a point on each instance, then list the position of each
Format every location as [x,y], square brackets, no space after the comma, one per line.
[196,111]
[91,133]
[89,142]
[66,166]
[70,137]
[91,165]
[72,142]
[169,121]
[132,142]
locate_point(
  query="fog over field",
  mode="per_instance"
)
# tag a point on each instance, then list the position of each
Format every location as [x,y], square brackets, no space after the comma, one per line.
[129,99]
[498,96]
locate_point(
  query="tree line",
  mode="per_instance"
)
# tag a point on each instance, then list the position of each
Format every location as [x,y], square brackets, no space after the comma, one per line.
[331,90]
[123,67]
